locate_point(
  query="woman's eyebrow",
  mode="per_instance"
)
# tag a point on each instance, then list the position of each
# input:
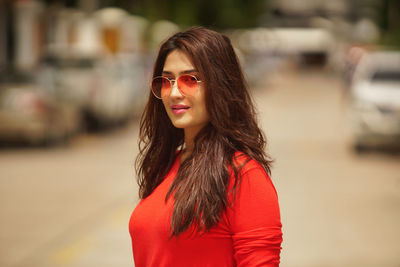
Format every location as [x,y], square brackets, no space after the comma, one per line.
[182,72]
[190,71]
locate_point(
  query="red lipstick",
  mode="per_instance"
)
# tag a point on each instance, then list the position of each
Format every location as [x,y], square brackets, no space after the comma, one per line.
[179,109]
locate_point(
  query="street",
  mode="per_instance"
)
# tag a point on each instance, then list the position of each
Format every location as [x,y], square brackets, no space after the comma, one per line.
[70,206]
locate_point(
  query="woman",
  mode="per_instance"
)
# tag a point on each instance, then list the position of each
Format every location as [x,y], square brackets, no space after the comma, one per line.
[206,197]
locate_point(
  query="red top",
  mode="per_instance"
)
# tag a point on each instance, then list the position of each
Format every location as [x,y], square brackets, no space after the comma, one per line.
[248,234]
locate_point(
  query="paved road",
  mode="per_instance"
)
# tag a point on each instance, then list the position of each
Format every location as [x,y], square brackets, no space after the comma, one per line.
[70,206]
[338,208]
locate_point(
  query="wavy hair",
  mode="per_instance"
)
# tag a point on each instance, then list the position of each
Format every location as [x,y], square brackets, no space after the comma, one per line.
[201,186]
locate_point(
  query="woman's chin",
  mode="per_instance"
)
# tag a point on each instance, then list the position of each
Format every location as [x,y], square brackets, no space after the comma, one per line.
[179,125]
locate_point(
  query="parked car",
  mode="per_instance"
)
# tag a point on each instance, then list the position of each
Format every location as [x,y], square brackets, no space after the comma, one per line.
[312,46]
[117,89]
[375,105]
[30,113]
[107,92]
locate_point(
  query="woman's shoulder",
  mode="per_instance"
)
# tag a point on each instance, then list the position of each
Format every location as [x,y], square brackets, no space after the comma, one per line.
[244,163]
[250,179]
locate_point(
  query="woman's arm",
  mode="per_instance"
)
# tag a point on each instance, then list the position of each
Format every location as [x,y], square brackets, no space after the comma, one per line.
[255,221]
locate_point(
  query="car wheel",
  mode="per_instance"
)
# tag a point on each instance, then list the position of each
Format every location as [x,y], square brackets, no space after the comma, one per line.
[360,148]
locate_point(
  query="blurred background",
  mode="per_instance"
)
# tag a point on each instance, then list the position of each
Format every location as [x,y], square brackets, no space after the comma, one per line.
[74,76]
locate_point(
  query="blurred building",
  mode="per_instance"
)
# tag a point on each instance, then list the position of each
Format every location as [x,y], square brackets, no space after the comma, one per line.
[86,65]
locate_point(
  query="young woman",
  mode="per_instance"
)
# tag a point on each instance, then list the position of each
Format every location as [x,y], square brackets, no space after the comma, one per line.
[206,197]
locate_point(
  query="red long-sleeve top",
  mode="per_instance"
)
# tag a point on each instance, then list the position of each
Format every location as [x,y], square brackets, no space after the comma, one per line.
[248,233]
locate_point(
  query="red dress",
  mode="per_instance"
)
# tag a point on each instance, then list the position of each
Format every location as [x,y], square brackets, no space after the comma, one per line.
[248,234]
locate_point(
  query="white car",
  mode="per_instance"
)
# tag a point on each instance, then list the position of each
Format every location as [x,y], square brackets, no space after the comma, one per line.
[31,114]
[375,94]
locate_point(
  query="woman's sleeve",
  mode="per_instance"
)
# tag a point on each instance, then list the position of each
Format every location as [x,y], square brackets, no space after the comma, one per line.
[255,221]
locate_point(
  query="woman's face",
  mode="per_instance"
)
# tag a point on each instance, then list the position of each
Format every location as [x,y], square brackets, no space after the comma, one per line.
[185,111]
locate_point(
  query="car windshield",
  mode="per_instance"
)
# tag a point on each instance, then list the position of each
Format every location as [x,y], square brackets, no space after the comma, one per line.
[16,77]
[388,76]
[83,63]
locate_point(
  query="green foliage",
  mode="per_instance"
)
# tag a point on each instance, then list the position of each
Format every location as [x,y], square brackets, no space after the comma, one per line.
[391,39]
[212,13]
[389,12]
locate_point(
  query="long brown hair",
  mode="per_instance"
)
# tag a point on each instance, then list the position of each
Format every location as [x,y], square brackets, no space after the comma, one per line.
[200,187]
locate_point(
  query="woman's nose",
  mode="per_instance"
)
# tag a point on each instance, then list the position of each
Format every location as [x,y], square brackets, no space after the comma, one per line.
[174,90]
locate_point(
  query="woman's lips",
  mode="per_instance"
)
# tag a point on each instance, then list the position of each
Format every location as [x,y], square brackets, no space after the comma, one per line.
[179,109]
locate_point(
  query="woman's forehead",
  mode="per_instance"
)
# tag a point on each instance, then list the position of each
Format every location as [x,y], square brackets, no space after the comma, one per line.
[177,62]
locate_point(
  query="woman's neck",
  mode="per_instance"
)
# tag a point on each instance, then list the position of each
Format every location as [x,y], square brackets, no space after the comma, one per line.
[190,134]
[189,145]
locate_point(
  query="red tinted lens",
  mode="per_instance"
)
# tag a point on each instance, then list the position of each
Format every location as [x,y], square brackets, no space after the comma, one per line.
[187,84]
[160,86]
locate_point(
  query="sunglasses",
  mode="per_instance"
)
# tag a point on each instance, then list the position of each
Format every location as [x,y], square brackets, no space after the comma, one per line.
[187,85]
